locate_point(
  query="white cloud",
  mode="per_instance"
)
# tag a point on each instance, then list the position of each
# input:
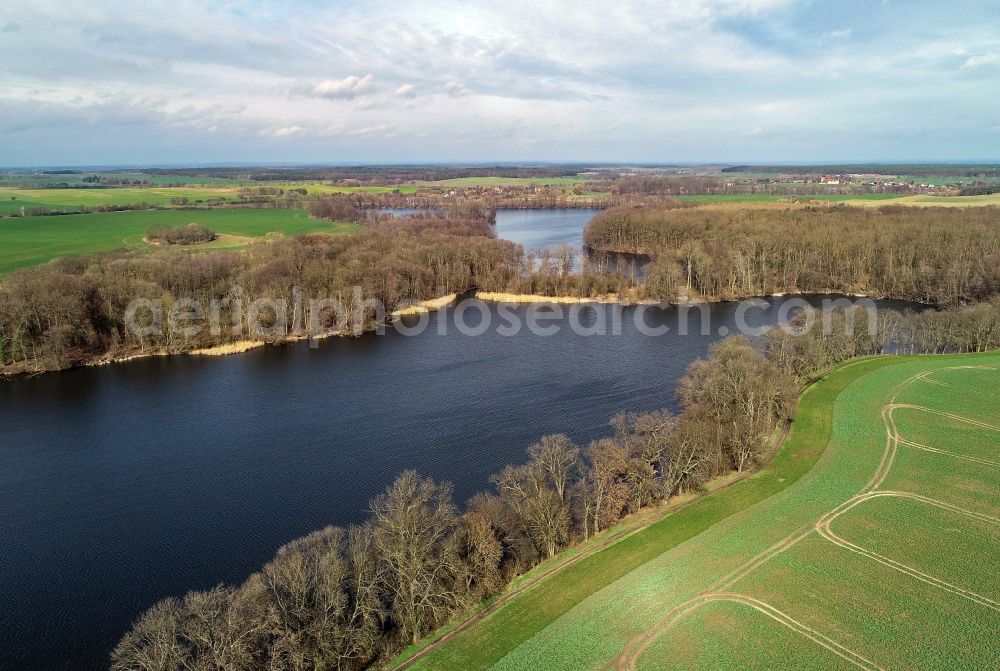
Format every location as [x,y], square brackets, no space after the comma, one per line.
[371,130]
[642,79]
[837,35]
[982,61]
[285,131]
[454,89]
[348,87]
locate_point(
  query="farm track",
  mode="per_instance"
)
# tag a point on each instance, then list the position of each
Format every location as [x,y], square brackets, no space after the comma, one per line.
[629,659]
[719,590]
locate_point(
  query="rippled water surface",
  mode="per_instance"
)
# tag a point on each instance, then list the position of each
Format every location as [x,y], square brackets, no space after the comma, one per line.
[123,484]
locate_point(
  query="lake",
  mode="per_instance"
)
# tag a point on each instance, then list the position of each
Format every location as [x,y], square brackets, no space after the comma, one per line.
[542,231]
[535,230]
[126,483]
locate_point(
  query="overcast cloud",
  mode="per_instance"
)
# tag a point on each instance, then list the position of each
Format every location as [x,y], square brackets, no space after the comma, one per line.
[332,82]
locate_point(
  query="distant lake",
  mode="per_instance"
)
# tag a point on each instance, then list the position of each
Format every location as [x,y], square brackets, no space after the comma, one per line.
[538,230]
[402,211]
[534,229]
[127,483]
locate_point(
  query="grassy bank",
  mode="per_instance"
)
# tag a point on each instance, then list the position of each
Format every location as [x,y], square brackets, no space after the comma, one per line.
[489,640]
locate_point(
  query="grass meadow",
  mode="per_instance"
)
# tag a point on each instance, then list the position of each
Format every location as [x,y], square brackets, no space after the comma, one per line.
[28,241]
[907,582]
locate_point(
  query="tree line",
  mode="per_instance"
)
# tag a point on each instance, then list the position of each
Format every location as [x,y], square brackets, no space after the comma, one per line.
[191,234]
[940,256]
[349,598]
[805,351]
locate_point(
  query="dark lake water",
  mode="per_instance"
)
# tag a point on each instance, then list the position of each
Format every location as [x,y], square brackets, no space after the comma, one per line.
[123,484]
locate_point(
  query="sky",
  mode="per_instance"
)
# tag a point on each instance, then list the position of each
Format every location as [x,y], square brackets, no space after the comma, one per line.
[156,83]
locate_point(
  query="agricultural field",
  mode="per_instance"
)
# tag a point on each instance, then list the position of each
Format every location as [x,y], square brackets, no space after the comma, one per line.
[774,198]
[13,199]
[871,199]
[28,241]
[41,180]
[869,541]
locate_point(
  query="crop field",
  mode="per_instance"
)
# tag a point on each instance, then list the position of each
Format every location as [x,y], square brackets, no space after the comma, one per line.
[775,198]
[869,541]
[28,241]
[950,201]
[870,199]
[13,199]
[39,180]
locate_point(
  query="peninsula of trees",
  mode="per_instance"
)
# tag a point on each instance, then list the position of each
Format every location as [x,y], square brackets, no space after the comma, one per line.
[71,311]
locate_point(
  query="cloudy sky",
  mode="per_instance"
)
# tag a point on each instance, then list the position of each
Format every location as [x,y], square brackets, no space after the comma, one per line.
[337,82]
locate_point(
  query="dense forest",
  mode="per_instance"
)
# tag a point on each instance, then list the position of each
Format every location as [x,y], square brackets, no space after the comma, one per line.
[940,256]
[348,598]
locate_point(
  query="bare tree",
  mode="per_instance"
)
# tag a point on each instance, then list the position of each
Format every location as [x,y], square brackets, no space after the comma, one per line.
[546,516]
[413,523]
[606,489]
[558,457]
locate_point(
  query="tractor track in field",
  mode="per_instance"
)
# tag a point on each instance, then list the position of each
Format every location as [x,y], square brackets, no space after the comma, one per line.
[941,413]
[634,648]
[927,448]
[824,529]
[629,658]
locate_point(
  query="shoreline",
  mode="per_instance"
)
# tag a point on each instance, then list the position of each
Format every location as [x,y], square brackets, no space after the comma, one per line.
[241,346]
[423,307]
[435,304]
[527,299]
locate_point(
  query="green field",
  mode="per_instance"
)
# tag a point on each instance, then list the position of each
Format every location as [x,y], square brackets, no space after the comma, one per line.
[28,241]
[850,549]
[870,199]
[772,198]
[39,180]
[13,199]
